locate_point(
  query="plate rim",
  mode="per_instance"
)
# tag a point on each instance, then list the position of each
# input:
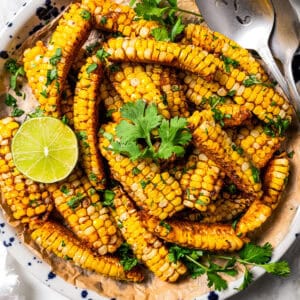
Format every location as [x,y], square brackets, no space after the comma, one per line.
[20,19]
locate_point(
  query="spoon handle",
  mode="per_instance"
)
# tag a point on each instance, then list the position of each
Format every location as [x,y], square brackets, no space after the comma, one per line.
[295,97]
[267,57]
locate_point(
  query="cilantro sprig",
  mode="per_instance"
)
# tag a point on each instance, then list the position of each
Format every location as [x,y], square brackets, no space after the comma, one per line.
[167,13]
[200,263]
[135,133]
[127,259]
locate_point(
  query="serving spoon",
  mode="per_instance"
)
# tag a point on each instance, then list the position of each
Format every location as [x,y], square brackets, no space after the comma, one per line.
[285,41]
[249,23]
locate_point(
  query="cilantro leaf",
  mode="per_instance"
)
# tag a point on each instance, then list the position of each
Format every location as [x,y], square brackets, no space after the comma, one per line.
[102,55]
[217,281]
[248,278]
[127,259]
[160,34]
[174,135]
[17,112]
[177,28]
[130,149]
[252,253]
[10,100]
[280,268]
[56,57]
[108,197]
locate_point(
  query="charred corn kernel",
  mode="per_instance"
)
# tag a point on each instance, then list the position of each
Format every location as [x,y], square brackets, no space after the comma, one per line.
[215,42]
[186,57]
[225,209]
[258,146]
[132,83]
[79,204]
[200,180]
[86,102]
[113,17]
[147,247]
[47,68]
[275,179]
[199,90]
[111,99]
[172,91]
[233,114]
[211,237]
[210,139]
[56,239]
[157,192]
[261,100]
[25,198]
[66,102]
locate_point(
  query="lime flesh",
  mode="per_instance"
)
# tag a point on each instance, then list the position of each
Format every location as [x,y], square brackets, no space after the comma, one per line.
[44,149]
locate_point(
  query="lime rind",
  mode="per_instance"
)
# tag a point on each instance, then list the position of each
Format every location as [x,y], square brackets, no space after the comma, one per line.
[45,149]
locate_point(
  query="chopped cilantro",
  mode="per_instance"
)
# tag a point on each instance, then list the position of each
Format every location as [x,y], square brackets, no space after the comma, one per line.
[229,62]
[165,225]
[91,68]
[10,100]
[51,75]
[56,57]
[75,201]
[136,171]
[44,93]
[231,93]
[144,183]
[110,112]
[37,113]
[102,55]
[239,150]
[93,176]
[255,174]
[17,112]
[64,189]
[127,259]
[291,154]
[86,15]
[65,119]
[63,244]
[108,198]
[103,20]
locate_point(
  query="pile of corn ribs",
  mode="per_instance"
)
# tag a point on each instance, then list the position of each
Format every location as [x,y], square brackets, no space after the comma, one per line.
[232,170]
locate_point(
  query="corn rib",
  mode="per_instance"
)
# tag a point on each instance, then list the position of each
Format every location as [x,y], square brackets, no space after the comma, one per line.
[79,204]
[274,182]
[147,247]
[210,237]
[25,198]
[86,102]
[56,239]
[209,138]
[47,68]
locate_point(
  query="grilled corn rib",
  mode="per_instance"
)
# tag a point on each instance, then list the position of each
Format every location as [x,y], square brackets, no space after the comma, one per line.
[66,103]
[147,247]
[257,97]
[47,69]
[200,181]
[225,209]
[210,139]
[274,182]
[113,17]
[77,201]
[217,43]
[86,103]
[111,99]
[211,237]
[132,83]
[186,57]
[258,146]
[26,199]
[155,191]
[56,239]
[172,91]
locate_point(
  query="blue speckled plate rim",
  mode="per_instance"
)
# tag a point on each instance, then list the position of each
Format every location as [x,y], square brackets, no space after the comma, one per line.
[35,266]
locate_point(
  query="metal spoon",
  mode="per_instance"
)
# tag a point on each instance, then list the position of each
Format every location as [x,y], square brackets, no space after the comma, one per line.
[285,41]
[296,6]
[249,23]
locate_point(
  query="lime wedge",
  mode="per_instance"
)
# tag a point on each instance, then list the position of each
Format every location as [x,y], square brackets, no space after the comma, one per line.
[45,149]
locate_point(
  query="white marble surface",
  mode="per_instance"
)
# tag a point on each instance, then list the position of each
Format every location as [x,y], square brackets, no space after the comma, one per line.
[268,287]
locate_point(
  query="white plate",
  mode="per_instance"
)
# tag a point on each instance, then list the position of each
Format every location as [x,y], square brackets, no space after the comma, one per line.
[12,36]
